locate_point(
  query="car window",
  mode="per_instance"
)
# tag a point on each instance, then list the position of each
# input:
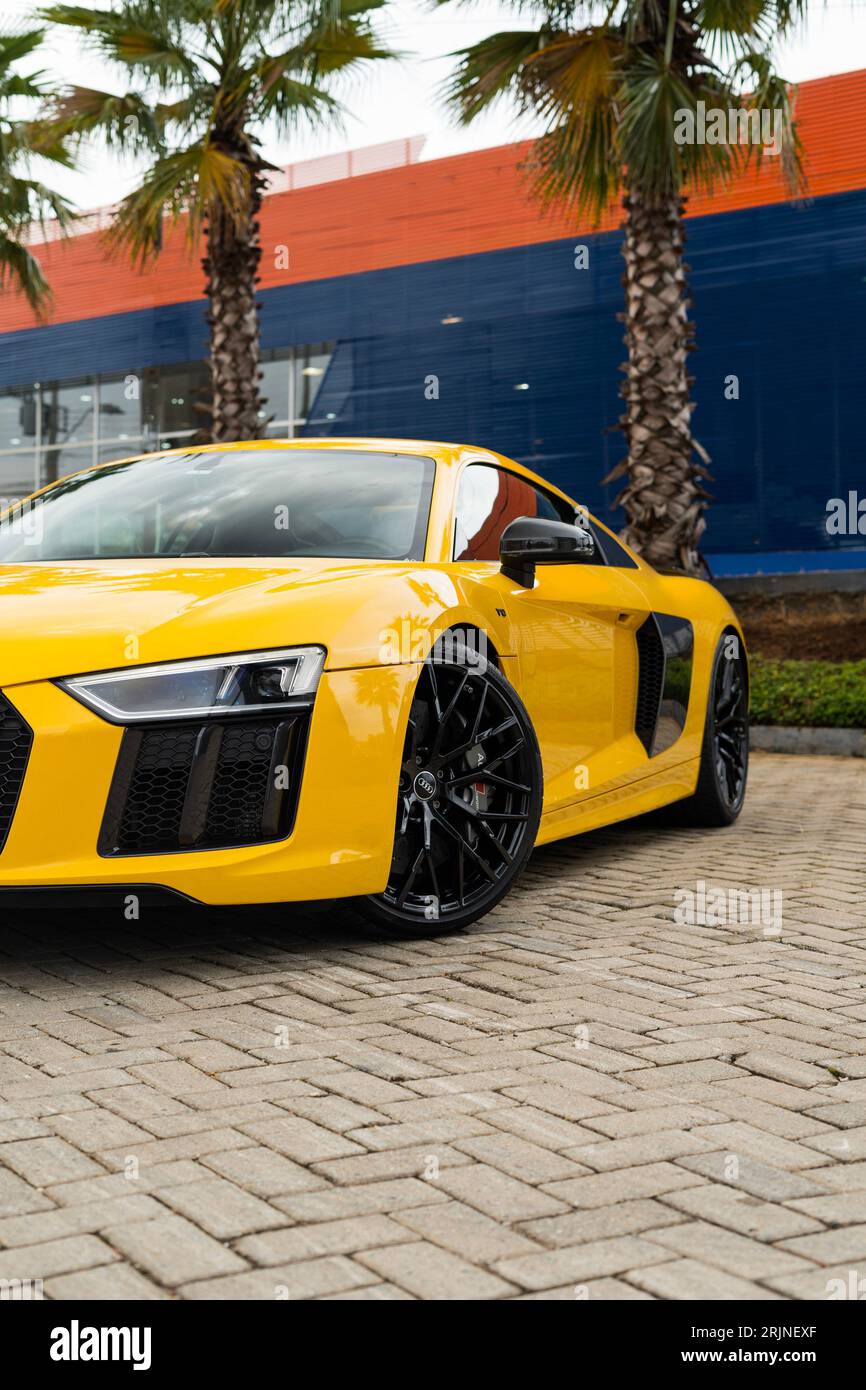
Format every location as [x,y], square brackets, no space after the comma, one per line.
[264,502]
[488,500]
[611,550]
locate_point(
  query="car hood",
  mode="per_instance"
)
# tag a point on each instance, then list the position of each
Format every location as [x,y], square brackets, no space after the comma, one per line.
[59,619]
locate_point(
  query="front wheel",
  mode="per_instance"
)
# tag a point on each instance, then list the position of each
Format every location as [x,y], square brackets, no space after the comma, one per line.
[469,799]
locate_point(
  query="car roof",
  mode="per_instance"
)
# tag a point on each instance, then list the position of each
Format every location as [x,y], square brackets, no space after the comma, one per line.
[453,455]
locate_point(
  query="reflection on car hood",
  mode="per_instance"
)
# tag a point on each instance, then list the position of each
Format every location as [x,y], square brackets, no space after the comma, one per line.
[64,618]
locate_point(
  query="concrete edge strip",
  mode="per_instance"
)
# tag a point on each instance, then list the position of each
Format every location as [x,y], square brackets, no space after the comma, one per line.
[844,743]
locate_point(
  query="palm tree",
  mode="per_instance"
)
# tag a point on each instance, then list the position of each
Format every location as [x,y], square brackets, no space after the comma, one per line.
[24,200]
[202,79]
[619,88]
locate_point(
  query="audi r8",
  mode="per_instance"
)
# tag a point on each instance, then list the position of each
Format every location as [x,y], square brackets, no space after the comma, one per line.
[342,668]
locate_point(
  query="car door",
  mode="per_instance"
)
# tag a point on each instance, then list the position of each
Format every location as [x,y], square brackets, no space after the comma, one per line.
[572,635]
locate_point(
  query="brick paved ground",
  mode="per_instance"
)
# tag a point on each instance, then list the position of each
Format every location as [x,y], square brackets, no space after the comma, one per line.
[580,1097]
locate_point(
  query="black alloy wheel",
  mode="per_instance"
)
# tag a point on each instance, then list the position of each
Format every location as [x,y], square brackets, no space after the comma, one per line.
[731,729]
[469,799]
[721,789]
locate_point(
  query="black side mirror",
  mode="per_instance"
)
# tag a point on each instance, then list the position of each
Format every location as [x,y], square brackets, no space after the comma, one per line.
[533,540]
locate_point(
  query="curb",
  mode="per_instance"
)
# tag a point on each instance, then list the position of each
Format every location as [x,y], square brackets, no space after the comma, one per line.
[841,743]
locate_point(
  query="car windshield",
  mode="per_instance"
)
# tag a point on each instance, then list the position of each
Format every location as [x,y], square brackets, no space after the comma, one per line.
[277,502]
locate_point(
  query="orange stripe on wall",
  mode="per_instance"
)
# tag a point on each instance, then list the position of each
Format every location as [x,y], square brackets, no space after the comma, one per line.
[429,211]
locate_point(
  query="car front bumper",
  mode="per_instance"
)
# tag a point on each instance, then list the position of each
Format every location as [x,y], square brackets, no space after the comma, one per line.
[340,844]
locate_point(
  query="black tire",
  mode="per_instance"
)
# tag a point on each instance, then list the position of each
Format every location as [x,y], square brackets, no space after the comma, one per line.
[719,795]
[469,800]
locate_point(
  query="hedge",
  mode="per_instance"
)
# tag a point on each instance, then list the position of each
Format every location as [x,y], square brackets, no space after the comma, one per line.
[815,694]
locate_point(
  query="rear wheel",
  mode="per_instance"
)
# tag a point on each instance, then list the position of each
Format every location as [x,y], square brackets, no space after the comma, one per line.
[469,800]
[718,797]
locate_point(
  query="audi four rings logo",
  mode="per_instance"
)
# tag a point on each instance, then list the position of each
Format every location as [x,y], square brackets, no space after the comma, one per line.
[425,785]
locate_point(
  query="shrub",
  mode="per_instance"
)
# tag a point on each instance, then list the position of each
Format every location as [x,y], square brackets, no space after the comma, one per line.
[816,694]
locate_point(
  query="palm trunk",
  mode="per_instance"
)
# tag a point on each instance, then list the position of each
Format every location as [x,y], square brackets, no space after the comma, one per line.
[231,272]
[664,499]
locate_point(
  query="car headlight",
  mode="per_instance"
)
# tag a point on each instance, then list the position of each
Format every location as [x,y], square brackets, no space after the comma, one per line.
[244,683]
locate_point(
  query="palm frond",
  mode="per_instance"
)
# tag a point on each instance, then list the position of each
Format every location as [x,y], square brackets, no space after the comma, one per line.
[191,183]
[21,271]
[127,122]
[145,37]
[491,70]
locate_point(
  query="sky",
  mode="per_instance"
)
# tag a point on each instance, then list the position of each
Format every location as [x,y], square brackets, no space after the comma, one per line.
[403,98]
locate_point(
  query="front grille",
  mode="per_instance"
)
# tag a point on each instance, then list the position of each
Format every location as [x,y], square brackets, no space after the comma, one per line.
[651,674]
[16,738]
[204,785]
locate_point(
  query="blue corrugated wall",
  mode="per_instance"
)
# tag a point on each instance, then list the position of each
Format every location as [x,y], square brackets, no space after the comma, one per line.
[779,302]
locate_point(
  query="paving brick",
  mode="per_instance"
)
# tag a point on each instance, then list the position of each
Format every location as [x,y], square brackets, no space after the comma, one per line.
[306,1279]
[625,1184]
[42,1162]
[432,1273]
[17,1196]
[263,1172]
[848,1145]
[740,1255]
[850,1115]
[92,1130]
[578,1263]
[528,1162]
[830,1283]
[831,1247]
[77,1220]
[629,1124]
[103,1284]
[117,1185]
[843,1177]
[497,1194]
[222,1209]
[781,1068]
[373,1293]
[301,1140]
[558,1100]
[173,1251]
[332,1203]
[690,1279]
[54,1257]
[442,1129]
[539,1127]
[752,1176]
[175,1077]
[738,1138]
[738,1211]
[599,1223]
[682,1074]
[836,1209]
[466,1232]
[390,1163]
[340,1237]
[606,1155]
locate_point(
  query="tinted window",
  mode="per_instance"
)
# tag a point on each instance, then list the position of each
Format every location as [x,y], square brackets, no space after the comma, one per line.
[488,499]
[263,502]
[613,552]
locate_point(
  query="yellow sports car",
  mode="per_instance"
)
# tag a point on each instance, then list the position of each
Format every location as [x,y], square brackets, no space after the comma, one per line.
[367,668]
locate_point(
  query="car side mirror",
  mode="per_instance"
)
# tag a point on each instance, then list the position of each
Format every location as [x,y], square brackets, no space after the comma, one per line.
[533,540]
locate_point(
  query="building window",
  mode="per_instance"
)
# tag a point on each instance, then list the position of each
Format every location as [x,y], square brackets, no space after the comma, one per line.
[50,429]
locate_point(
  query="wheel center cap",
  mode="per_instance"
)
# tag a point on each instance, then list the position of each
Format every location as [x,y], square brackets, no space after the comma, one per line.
[424,785]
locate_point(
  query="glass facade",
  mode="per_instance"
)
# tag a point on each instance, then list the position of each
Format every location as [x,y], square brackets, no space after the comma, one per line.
[53,428]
